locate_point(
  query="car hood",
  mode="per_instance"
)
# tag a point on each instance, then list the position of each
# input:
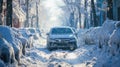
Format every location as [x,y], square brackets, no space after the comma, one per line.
[62,36]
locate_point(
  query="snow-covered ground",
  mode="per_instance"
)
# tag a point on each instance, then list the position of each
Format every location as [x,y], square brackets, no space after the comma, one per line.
[86,55]
[97,47]
[39,55]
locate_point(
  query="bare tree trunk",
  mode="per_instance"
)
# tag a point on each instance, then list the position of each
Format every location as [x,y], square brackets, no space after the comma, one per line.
[9,13]
[79,12]
[85,20]
[37,18]
[71,19]
[79,19]
[95,23]
[27,14]
[110,11]
[1,2]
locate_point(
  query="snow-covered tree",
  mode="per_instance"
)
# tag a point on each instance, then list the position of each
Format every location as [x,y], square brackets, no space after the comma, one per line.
[73,8]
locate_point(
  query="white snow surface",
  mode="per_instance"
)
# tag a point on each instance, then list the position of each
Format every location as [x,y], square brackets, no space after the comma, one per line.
[7,33]
[84,56]
[39,55]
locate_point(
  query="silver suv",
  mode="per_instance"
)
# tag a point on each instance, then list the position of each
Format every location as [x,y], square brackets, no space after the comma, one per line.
[61,38]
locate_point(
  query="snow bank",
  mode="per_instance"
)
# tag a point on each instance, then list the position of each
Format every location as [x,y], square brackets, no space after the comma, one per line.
[98,35]
[6,52]
[7,33]
[114,41]
[106,37]
[109,25]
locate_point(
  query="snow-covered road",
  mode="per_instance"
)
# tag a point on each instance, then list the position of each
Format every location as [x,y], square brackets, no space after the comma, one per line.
[39,56]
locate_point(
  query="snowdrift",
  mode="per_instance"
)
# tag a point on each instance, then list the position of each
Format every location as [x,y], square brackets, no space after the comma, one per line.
[114,41]
[107,41]
[98,35]
[7,33]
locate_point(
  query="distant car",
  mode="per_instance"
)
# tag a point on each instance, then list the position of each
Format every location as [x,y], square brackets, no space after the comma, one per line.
[34,33]
[26,34]
[22,39]
[61,38]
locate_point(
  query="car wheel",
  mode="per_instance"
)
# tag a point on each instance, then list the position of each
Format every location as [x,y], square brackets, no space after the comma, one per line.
[72,47]
[48,47]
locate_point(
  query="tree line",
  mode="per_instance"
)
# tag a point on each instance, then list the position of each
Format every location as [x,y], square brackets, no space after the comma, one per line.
[88,9]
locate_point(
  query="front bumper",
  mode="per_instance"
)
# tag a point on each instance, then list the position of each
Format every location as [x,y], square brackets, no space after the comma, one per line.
[62,44]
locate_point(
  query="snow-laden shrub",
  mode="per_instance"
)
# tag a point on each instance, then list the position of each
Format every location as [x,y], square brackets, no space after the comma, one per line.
[114,41]
[7,33]
[103,34]
[6,52]
[97,36]
[91,35]
[86,36]
[109,25]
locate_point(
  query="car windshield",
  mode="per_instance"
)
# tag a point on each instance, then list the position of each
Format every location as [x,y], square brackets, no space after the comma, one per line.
[61,31]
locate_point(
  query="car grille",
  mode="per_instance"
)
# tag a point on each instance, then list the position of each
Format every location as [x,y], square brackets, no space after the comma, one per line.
[62,40]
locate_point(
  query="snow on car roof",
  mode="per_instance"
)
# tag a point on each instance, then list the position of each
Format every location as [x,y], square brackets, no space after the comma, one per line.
[62,27]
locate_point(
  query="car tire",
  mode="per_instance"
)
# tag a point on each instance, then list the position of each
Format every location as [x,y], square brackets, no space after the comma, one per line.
[72,47]
[50,49]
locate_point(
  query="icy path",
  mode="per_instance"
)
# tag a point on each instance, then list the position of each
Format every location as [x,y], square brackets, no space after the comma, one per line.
[39,56]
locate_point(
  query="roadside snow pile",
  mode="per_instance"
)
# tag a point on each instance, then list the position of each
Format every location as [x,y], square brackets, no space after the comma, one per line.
[107,40]
[98,35]
[109,26]
[114,41]
[8,35]
[13,45]
[6,52]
